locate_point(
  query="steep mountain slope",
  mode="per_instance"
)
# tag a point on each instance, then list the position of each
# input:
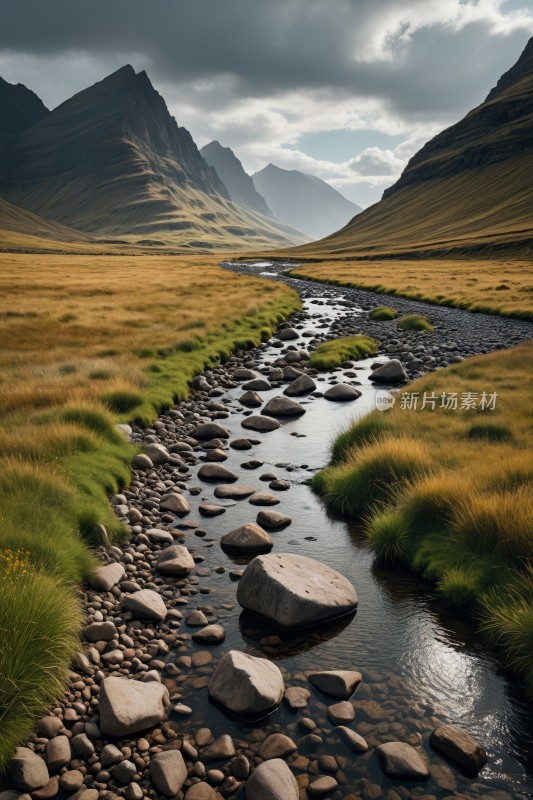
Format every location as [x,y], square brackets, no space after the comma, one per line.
[469,188]
[113,161]
[20,229]
[19,109]
[304,201]
[231,172]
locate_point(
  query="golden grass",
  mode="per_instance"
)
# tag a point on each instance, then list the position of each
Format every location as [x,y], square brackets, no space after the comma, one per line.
[496,286]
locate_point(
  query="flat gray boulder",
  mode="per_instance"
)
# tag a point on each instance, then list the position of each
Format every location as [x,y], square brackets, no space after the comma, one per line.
[235,492]
[260,423]
[301,386]
[336,683]
[246,685]
[175,502]
[103,578]
[175,560]
[129,706]
[272,780]
[209,430]
[168,772]
[250,538]
[216,472]
[342,392]
[391,372]
[400,760]
[294,591]
[272,520]
[283,407]
[27,771]
[145,604]
[459,746]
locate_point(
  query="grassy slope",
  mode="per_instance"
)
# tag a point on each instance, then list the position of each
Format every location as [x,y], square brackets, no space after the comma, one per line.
[450,492]
[86,341]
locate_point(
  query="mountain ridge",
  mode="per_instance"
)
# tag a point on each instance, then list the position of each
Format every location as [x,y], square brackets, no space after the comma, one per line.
[239,184]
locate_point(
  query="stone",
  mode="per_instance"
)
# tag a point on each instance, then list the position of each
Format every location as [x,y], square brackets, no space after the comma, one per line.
[145,604]
[175,560]
[336,683]
[216,455]
[272,780]
[351,739]
[459,746]
[103,578]
[264,499]
[244,374]
[156,453]
[272,520]
[71,781]
[287,334]
[209,430]
[260,423]
[124,772]
[257,385]
[175,502]
[296,697]
[196,618]
[216,472]
[133,792]
[294,591]
[141,461]
[129,706]
[58,753]
[342,392]
[282,407]
[277,745]
[251,400]
[47,792]
[49,726]
[390,372]
[341,712]
[159,536]
[221,749]
[201,791]
[110,755]
[250,538]
[27,771]
[168,772]
[82,745]
[322,786]
[241,444]
[235,492]
[246,685]
[100,631]
[210,510]
[302,385]
[400,760]
[211,634]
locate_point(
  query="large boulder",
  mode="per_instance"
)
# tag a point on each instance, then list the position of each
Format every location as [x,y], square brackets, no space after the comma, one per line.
[216,472]
[129,706]
[209,430]
[250,538]
[246,685]
[342,392]
[104,577]
[175,560]
[302,385]
[459,746]
[294,591]
[336,683]
[272,780]
[145,604]
[168,772]
[260,423]
[282,407]
[27,771]
[391,372]
[400,760]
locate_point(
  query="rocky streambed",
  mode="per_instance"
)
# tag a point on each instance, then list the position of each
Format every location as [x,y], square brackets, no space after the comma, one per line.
[179,691]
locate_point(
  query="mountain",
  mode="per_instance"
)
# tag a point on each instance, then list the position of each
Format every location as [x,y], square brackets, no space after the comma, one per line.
[303,201]
[20,108]
[22,230]
[112,160]
[469,188]
[231,172]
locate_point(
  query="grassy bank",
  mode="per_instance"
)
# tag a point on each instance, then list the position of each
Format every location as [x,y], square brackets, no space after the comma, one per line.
[88,341]
[330,355]
[449,491]
[494,286]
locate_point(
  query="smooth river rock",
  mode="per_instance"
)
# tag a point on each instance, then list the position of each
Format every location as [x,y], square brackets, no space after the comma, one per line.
[283,407]
[175,502]
[168,772]
[272,780]
[103,578]
[391,372]
[294,591]
[216,472]
[27,771]
[250,538]
[400,760]
[209,430]
[129,706]
[336,683]
[342,392]
[175,560]
[459,746]
[262,424]
[246,685]
[302,385]
[145,604]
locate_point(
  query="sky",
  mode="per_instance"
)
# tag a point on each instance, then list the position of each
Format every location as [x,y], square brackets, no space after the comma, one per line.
[346,90]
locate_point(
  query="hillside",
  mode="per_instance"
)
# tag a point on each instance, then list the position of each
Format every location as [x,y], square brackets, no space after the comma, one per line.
[112,160]
[469,189]
[231,172]
[20,108]
[303,201]
[23,230]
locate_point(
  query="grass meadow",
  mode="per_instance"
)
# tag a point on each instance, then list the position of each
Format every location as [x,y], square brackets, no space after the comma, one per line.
[88,341]
[449,491]
[495,286]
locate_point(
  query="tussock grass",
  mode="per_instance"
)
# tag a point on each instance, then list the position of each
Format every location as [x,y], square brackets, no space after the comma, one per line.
[330,355]
[450,492]
[62,391]
[383,313]
[414,322]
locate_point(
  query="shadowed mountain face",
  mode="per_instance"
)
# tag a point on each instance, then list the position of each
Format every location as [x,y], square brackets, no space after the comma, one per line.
[20,108]
[304,201]
[470,187]
[113,160]
[231,172]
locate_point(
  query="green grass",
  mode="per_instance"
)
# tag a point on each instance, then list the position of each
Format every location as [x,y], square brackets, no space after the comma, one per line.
[414,322]
[383,313]
[330,355]
[450,493]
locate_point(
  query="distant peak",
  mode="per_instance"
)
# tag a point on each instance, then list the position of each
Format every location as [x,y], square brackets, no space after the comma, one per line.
[522,69]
